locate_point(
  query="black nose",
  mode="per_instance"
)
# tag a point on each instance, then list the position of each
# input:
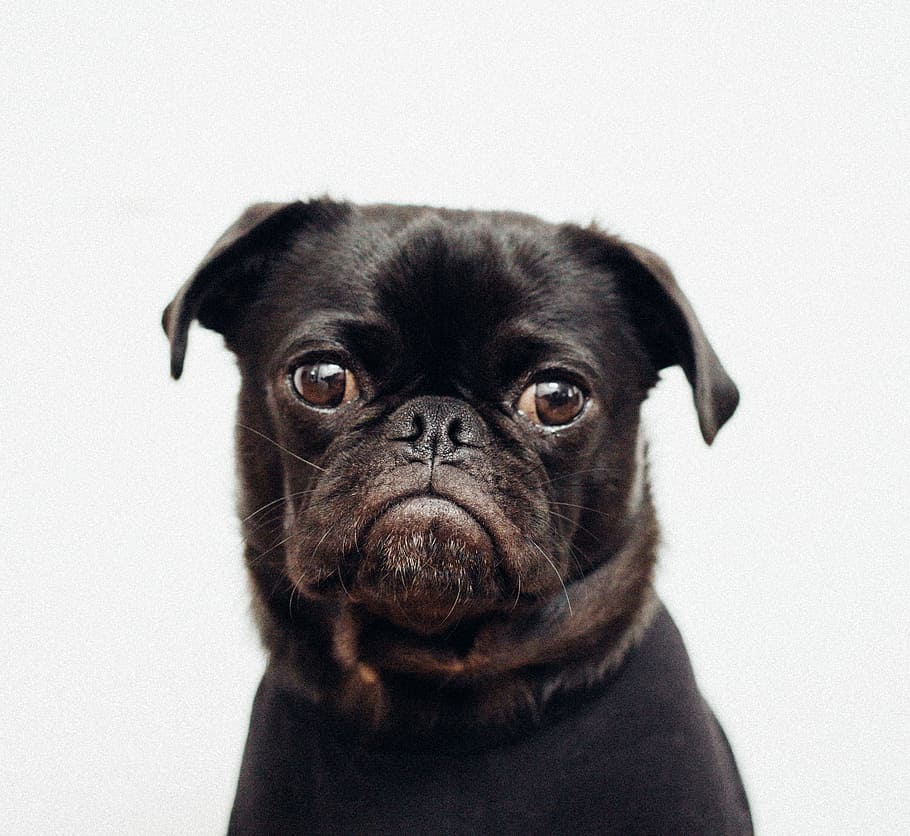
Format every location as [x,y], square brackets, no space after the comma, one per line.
[436,429]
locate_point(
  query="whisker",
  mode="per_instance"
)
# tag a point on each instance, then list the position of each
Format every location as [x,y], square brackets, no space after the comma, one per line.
[518,593]
[570,520]
[571,475]
[553,566]
[582,507]
[270,550]
[574,554]
[275,501]
[271,521]
[294,589]
[280,447]
[325,534]
[341,582]
[577,556]
[531,469]
[279,582]
[328,531]
[454,604]
[263,508]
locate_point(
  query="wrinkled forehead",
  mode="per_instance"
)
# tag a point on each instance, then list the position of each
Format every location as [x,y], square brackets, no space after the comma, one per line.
[449,293]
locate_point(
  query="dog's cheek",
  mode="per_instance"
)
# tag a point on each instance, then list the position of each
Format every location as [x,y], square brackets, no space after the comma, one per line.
[329,513]
[606,507]
[589,470]
[306,433]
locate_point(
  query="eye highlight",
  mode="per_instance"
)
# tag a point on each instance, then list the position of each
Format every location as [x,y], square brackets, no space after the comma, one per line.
[551,403]
[323,385]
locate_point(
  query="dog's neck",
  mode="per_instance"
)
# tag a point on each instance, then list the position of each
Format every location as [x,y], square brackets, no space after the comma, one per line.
[388,681]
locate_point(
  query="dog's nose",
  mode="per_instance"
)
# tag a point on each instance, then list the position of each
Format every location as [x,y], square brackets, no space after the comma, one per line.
[436,429]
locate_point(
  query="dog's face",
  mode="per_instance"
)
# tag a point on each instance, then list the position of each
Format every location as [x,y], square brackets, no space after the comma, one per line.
[438,424]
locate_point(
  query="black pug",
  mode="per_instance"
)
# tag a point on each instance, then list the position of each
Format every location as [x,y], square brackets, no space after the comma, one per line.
[449,529]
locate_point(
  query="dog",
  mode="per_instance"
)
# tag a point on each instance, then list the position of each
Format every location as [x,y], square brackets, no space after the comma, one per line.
[448,525]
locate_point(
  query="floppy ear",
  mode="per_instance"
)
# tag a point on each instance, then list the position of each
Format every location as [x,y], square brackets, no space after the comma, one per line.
[228,274]
[666,323]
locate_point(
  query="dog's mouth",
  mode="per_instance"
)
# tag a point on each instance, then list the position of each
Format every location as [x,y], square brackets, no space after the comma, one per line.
[424,564]
[424,552]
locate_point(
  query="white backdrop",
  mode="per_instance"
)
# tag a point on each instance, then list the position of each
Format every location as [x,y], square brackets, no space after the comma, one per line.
[762,150]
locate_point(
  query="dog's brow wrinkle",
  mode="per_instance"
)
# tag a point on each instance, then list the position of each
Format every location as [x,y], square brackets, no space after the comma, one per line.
[280,447]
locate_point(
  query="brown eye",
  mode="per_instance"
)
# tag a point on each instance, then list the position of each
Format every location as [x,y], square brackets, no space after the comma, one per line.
[324,385]
[551,403]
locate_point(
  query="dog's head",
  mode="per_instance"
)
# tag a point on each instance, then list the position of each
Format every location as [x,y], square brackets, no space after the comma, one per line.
[438,427]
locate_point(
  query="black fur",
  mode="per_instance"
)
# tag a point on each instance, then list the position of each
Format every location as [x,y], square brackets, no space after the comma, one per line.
[430,566]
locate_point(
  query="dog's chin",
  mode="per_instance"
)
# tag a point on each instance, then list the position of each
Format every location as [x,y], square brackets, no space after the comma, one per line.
[426,564]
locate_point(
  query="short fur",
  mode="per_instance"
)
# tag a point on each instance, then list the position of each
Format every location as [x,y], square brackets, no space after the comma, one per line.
[427,564]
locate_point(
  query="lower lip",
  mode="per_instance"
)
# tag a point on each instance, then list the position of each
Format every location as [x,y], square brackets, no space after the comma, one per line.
[428,514]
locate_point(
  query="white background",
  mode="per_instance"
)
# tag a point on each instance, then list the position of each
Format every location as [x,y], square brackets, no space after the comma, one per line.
[761,149]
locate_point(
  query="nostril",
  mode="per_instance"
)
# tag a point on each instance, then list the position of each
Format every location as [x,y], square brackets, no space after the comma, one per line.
[455,429]
[435,428]
[418,426]
[408,428]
